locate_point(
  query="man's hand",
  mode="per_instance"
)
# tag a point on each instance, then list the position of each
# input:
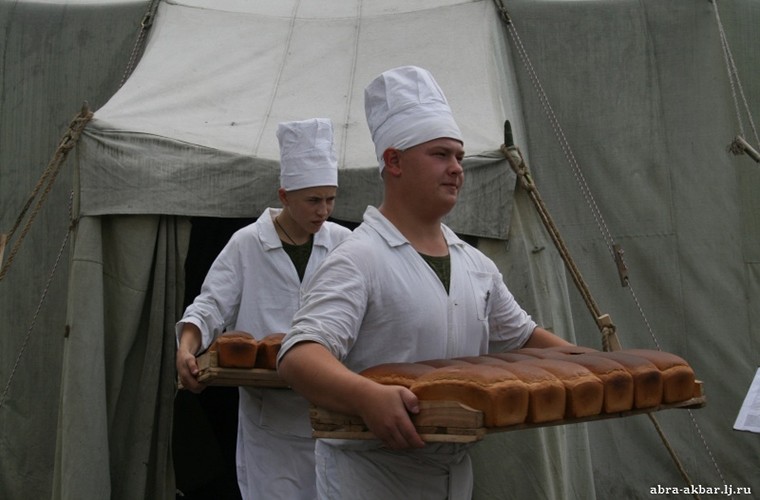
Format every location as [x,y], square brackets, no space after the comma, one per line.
[187,370]
[187,366]
[312,371]
[386,411]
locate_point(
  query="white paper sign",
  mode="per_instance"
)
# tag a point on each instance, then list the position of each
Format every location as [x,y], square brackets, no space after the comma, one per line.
[749,414]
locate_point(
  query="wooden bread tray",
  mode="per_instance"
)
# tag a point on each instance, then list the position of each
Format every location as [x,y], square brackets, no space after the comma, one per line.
[449,421]
[213,374]
[437,421]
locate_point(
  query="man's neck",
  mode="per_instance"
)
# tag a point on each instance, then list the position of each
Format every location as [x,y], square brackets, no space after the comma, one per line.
[424,234]
[289,231]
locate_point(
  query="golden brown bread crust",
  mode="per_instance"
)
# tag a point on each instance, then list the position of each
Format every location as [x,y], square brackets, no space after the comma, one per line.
[547,400]
[510,356]
[584,391]
[396,373]
[235,334]
[440,363]
[570,349]
[677,376]
[547,393]
[618,382]
[482,360]
[499,394]
[533,352]
[647,378]
[547,384]
[269,347]
[235,349]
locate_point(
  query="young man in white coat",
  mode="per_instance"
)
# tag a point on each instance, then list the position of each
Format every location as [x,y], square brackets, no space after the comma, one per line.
[254,286]
[402,288]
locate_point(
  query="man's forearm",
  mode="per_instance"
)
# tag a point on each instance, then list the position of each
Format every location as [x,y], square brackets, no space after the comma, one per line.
[190,338]
[312,371]
[544,338]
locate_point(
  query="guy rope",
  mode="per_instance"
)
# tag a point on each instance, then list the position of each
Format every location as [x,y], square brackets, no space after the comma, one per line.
[610,341]
[47,179]
[516,161]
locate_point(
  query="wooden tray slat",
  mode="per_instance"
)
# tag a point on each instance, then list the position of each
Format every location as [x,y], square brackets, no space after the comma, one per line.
[438,421]
[212,374]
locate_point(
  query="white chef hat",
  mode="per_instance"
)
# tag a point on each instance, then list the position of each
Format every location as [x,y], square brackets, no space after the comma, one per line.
[406,107]
[307,157]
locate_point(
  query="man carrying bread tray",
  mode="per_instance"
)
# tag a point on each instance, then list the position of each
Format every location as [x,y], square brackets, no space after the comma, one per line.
[254,286]
[402,288]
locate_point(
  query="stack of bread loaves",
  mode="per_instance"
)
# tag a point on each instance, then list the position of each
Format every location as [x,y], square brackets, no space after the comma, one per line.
[535,386]
[525,386]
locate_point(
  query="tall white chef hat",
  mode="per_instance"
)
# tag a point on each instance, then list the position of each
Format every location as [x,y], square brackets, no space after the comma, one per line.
[307,157]
[406,107]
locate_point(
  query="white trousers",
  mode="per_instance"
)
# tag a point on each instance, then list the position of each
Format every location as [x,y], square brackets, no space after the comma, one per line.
[365,471]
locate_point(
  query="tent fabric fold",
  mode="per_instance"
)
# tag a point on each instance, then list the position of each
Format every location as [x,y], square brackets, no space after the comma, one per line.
[118,380]
[116,176]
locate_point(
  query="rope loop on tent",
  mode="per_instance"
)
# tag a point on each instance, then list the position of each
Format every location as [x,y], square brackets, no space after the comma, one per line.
[66,144]
[739,145]
[513,155]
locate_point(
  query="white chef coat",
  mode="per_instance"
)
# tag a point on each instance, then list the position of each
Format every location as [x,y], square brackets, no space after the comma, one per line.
[375,300]
[253,286]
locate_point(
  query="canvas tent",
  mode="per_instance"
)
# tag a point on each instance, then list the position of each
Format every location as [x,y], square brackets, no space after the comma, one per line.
[633,92]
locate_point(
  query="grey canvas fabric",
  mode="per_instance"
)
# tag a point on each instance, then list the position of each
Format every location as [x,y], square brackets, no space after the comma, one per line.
[643,106]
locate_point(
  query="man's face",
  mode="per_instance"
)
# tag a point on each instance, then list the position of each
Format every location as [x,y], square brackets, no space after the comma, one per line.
[433,172]
[310,207]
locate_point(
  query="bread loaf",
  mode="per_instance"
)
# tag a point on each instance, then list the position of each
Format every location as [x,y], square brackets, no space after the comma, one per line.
[618,382]
[570,349]
[677,376]
[548,398]
[440,363]
[235,349]
[396,373]
[584,391]
[533,352]
[510,356]
[647,379]
[482,360]
[235,334]
[547,392]
[499,394]
[269,347]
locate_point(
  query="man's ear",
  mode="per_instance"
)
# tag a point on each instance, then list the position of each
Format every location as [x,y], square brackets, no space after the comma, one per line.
[283,196]
[392,159]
